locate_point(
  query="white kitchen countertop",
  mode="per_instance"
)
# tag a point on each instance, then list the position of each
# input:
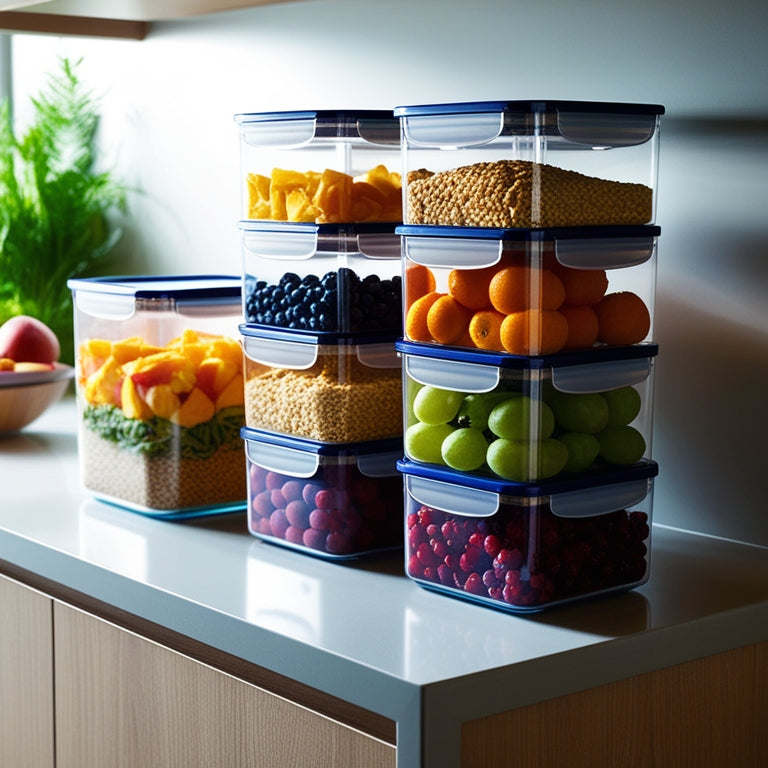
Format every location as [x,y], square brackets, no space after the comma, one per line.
[362,631]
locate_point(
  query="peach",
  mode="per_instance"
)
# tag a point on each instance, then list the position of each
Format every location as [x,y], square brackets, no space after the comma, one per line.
[28,340]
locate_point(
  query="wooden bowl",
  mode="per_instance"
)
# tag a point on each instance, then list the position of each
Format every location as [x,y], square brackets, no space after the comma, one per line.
[25,395]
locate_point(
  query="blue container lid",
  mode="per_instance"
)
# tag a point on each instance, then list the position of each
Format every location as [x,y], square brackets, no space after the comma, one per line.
[529,235]
[530,106]
[602,354]
[295,128]
[578,123]
[272,335]
[198,287]
[301,457]
[589,494]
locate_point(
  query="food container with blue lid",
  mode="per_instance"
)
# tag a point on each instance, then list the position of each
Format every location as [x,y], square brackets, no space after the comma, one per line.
[332,388]
[321,166]
[160,392]
[527,419]
[530,164]
[322,278]
[334,501]
[525,547]
[529,291]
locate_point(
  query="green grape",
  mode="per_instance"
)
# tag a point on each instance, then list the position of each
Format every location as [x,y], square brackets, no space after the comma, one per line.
[621,445]
[411,390]
[464,449]
[423,441]
[525,461]
[583,449]
[513,418]
[436,406]
[582,412]
[623,405]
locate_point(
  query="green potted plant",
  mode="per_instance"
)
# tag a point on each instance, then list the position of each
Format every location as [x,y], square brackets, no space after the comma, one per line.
[55,205]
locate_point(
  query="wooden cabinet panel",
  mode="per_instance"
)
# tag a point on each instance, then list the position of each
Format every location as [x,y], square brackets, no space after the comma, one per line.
[702,714]
[123,701]
[26,677]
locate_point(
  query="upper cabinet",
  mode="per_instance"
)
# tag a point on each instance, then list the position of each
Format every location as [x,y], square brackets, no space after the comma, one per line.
[106,18]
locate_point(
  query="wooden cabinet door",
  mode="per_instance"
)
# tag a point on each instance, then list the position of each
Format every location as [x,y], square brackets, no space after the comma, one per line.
[123,701]
[26,677]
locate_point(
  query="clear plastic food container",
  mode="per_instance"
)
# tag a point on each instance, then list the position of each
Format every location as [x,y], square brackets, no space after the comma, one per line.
[530,163]
[322,278]
[321,166]
[525,548]
[160,392]
[527,419]
[330,389]
[526,291]
[333,501]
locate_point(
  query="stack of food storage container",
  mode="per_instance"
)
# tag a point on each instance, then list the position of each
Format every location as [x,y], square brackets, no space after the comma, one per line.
[160,393]
[322,305]
[529,259]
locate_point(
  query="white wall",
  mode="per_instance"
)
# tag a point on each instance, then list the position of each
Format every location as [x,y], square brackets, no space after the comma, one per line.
[169,102]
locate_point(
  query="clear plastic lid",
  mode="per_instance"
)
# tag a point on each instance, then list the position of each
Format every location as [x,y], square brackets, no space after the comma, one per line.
[119,297]
[301,457]
[298,128]
[574,123]
[588,495]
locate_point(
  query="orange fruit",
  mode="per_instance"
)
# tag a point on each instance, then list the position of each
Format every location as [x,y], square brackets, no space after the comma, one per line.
[582,326]
[534,332]
[470,286]
[416,327]
[447,320]
[485,329]
[623,318]
[516,288]
[583,287]
[419,281]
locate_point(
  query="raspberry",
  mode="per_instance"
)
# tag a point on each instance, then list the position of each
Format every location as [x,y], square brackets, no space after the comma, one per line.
[474,584]
[416,536]
[492,545]
[325,499]
[426,556]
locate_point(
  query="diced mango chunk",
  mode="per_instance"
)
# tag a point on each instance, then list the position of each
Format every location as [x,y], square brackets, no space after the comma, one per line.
[196,409]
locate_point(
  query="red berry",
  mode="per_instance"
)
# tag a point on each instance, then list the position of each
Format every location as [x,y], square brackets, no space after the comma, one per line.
[325,499]
[492,545]
[314,539]
[297,513]
[474,584]
[262,504]
[337,543]
[294,535]
[292,489]
[278,500]
[416,536]
[273,480]
[320,519]
[278,523]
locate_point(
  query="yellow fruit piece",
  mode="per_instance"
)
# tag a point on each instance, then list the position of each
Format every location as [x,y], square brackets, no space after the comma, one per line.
[163,401]
[283,182]
[214,374]
[132,404]
[258,195]
[129,349]
[233,394]
[298,206]
[101,387]
[334,197]
[196,409]
[227,349]
[6,364]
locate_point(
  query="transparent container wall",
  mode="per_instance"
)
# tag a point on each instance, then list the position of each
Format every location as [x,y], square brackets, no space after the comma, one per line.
[160,400]
[533,296]
[529,554]
[530,164]
[329,393]
[332,506]
[528,426]
[343,281]
[320,167]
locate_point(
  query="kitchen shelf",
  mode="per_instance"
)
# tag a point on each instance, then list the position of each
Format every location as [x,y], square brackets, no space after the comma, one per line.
[435,674]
